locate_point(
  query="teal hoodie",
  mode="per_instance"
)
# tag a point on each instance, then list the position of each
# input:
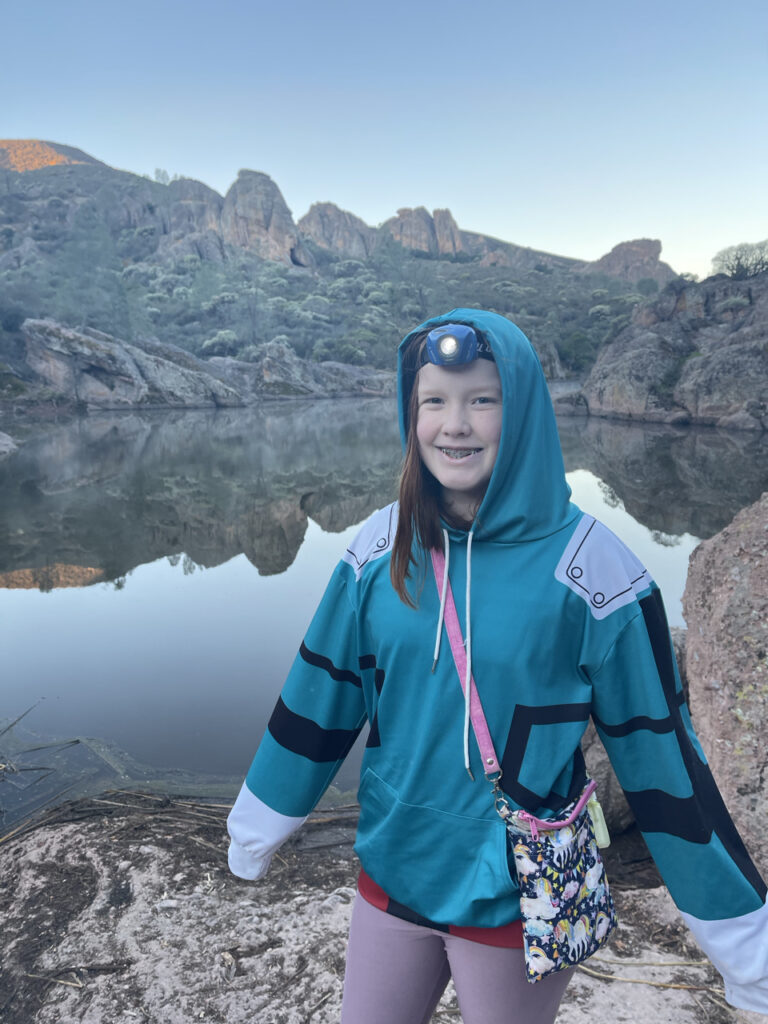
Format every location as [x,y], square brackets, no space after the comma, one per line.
[566,623]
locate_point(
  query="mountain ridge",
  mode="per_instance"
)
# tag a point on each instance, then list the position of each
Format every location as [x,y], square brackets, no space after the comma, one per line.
[331,227]
[90,246]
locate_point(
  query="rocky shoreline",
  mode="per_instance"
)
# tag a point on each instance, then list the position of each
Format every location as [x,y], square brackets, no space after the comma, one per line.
[122,909]
[87,371]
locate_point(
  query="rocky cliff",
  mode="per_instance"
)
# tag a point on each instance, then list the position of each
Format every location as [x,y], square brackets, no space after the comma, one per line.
[435,234]
[698,353]
[84,244]
[142,218]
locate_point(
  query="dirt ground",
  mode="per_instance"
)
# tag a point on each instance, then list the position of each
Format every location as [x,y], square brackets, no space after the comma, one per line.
[121,910]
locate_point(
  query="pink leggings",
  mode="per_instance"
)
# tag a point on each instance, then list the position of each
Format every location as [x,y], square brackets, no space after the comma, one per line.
[397,971]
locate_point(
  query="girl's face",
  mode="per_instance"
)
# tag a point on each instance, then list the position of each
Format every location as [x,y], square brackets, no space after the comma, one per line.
[458,428]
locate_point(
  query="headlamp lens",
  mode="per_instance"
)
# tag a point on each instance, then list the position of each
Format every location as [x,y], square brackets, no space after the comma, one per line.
[454,345]
[448,346]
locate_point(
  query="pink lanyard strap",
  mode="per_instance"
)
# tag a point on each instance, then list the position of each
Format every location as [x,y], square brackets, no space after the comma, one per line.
[456,639]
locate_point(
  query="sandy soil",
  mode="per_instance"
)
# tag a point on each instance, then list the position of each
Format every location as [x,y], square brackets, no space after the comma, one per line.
[121,910]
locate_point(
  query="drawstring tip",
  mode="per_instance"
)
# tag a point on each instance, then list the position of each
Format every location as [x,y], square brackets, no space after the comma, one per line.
[469,773]
[434,666]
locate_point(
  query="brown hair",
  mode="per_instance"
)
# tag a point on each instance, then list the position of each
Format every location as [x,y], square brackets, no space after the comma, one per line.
[420,497]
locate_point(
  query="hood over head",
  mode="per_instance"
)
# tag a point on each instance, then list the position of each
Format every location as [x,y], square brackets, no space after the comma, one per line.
[527,496]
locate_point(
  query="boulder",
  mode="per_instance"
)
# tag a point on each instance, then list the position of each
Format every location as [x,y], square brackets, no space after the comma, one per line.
[331,228]
[277,372]
[726,607]
[93,370]
[255,216]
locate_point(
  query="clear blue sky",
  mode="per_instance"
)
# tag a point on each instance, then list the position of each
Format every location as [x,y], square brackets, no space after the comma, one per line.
[563,126]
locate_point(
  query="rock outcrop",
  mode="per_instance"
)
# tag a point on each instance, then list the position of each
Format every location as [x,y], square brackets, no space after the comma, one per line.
[277,372]
[142,219]
[414,229]
[331,228]
[255,216]
[447,235]
[698,353]
[90,370]
[726,607]
[194,222]
[633,261]
[437,233]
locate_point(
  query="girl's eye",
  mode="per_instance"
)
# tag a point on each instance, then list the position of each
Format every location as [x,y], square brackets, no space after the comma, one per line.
[431,401]
[485,400]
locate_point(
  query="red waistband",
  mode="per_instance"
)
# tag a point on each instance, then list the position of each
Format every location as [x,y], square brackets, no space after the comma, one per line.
[507,936]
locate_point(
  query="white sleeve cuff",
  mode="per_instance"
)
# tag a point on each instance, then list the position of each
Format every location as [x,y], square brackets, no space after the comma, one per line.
[256,832]
[738,947]
[245,865]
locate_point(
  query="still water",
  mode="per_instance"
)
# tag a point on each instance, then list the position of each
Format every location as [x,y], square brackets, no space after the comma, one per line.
[157,573]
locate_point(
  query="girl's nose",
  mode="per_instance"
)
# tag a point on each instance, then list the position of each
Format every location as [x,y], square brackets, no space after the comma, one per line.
[455,421]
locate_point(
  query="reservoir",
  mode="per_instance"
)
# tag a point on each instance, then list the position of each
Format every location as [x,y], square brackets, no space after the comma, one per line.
[158,571]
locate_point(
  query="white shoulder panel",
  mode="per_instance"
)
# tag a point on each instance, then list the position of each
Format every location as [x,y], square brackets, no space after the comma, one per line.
[602,570]
[375,539]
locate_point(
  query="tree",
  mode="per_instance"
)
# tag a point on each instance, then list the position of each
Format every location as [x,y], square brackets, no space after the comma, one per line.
[647,286]
[743,260]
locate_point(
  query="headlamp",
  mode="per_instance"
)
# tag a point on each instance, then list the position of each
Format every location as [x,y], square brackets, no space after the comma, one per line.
[454,345]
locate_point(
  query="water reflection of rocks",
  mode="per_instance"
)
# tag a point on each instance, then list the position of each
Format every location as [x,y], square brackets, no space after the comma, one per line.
[113,492]
[674,481]
[92,499]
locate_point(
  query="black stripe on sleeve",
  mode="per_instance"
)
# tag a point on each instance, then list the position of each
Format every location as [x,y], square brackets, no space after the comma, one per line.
[341,675]
[694,818]
[657,725]
[368,661]
[303,736]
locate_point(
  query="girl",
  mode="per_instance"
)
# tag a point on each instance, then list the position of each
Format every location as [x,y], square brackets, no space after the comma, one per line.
[560,621]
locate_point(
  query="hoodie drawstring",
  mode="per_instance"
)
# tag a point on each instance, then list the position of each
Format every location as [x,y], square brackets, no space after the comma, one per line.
[443,593]
[468,641]
[468,676]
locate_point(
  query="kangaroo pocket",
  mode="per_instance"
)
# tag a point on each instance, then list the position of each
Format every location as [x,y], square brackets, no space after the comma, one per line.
[446,867]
